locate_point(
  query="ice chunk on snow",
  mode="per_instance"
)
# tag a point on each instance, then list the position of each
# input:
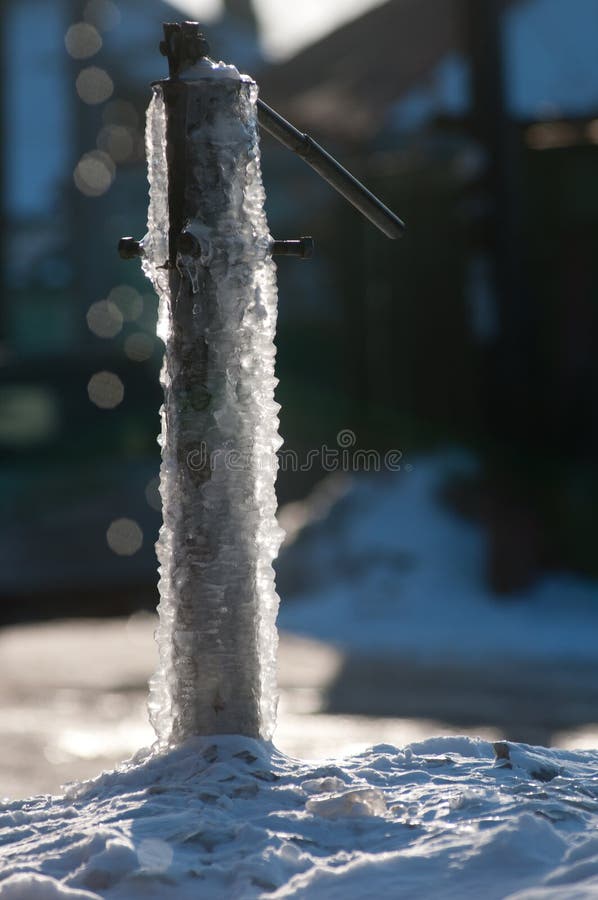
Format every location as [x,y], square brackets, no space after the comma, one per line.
[323,785]
[350,804]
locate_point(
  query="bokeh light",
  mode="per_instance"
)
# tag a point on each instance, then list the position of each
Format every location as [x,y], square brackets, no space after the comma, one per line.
[106,390]
[29,414]
[593,131]
[82,40]
[103,14]
[549,135]
[120,112]
[152,494]
[118,142]
[128,300]
[104,319]
[94,173]
[94,85]
[124,537]
[139,346]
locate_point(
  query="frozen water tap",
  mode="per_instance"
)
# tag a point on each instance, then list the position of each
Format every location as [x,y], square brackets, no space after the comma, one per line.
[208,253]
[185,45]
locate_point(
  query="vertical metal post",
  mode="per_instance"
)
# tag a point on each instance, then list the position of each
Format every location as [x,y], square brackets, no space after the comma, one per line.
[512,414]
[217,296]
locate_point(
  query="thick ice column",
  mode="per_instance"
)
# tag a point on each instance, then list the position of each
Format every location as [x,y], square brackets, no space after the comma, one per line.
[217,635]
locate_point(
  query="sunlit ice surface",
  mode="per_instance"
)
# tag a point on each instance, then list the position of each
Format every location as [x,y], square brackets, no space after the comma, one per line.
[78,705]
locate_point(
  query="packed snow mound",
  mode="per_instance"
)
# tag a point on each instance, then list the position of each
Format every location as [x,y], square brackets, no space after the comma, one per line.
[392,571]
[233,817]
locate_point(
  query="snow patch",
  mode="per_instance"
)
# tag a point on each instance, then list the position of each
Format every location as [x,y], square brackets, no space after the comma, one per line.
[231,816]
[396,573]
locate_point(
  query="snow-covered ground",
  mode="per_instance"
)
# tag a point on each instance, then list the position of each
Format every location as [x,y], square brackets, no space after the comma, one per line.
[232,817]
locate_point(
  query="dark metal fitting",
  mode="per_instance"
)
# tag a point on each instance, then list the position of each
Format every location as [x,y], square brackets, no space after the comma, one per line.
[303,248]
[184,45]
[129,248]
[188,245]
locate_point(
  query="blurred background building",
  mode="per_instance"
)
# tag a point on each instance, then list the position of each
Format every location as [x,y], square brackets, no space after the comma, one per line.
[476,121]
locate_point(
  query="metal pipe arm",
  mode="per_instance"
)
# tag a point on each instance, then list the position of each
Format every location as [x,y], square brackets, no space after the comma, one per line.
[331,171]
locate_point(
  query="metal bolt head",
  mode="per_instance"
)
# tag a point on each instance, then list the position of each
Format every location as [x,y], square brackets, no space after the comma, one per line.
[129,248]
[308,247]
[303,248]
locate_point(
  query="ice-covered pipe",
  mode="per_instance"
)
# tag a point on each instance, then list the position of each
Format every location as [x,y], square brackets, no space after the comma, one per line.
[208,254]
